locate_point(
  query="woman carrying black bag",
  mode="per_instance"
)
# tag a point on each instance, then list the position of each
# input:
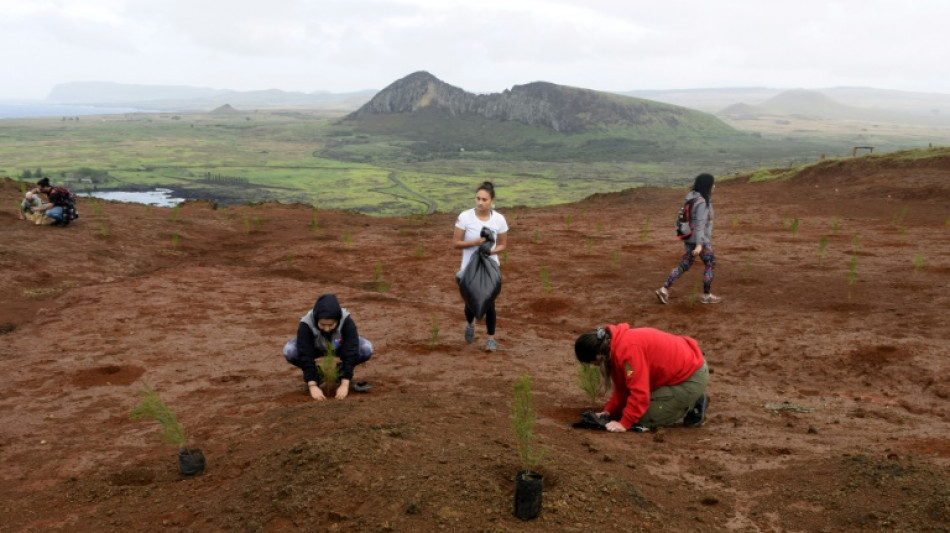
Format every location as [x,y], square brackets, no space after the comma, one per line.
[468,236]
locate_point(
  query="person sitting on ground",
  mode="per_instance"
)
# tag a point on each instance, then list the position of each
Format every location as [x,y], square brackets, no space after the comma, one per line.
[60,209]
[658,378]
[326,325]
[30,200]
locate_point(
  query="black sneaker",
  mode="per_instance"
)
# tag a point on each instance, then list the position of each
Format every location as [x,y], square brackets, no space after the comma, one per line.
[697,415]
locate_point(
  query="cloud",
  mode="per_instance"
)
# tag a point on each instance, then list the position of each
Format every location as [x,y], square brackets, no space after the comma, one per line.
[487,46]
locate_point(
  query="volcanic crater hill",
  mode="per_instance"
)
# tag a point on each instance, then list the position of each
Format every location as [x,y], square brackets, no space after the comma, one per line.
[828,361]
[556,107]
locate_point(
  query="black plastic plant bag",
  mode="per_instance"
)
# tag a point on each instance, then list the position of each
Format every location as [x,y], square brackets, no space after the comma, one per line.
[480,283]
[528,489]
[191,462]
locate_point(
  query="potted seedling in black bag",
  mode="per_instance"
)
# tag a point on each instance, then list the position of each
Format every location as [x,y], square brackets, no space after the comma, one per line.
[191,461]
[528,483]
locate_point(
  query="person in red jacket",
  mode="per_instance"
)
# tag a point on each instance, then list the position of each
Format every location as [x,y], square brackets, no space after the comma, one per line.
[658,378]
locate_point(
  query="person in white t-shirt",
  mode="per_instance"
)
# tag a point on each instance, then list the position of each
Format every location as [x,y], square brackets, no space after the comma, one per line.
[468,229]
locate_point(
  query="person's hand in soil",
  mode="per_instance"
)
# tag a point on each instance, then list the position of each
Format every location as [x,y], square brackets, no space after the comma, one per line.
[315,391]
[615,427]
[343,390]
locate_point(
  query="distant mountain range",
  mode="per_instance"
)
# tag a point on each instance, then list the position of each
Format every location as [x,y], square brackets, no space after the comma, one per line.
[552,101]
[174,98]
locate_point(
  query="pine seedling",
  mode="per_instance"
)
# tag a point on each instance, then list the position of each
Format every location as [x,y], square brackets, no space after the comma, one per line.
[378,273]
[175,239]
[22,185]
[522,422]
[898,219]
[600,228]
[918,263]
[615,258]
[152,406]
[544,279]
[852,273]
[835,225]
[567,221]
[314,221]
[645,232]
[97,207]
[247,225]
[290,260]
[822,244]
[418,252]
[590,381]
[504,257]
[434,333]
[175,214]
[328,368]
[536,236]
[148,209]
[590,246]
[257,222]
[856,243]
[103,229]
[794,226]
[693,297]
[735,221]
[347,240]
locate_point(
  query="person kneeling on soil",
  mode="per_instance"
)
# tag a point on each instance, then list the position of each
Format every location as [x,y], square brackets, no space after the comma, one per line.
[60,210]
[30,200]
[658,378]
[328,324]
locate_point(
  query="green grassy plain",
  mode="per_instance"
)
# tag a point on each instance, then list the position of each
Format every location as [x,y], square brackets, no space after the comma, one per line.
[315,158]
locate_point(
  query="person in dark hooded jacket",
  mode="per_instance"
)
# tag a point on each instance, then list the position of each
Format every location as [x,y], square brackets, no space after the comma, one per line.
[324,325]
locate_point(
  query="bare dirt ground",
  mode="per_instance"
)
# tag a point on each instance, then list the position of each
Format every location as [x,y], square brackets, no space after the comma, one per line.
[829,398]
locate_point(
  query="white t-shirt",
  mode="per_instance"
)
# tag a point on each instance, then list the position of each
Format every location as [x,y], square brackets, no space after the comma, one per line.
[469,222]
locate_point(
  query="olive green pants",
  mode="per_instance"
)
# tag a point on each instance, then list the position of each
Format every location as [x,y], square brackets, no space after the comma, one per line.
[670,404]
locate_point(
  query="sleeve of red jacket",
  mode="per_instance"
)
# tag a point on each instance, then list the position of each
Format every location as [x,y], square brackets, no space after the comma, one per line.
[634,376]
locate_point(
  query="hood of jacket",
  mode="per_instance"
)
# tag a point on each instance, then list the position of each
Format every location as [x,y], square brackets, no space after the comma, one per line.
[327,306]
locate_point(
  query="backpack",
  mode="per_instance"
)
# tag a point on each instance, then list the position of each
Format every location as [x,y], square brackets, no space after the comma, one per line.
[684,219]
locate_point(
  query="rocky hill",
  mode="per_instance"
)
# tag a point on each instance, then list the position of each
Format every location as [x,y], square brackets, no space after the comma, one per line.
[557,107]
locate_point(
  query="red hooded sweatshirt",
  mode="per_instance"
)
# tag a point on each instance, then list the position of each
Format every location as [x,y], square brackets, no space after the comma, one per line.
[643,360]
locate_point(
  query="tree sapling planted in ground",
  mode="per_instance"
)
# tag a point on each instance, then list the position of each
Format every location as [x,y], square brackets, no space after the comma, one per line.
[190,461]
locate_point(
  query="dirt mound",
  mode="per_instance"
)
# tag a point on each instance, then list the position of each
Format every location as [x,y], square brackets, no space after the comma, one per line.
[828,356]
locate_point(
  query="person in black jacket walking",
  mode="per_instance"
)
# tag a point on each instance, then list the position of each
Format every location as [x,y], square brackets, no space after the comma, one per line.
[326,325]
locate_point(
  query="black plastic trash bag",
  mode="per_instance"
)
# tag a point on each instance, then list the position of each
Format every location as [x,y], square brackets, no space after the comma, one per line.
[480,282]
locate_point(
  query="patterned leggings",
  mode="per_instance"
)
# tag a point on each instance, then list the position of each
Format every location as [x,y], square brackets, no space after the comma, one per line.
[708,257]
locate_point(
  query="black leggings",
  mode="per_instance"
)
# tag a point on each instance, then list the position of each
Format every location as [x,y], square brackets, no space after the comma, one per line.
[490,317]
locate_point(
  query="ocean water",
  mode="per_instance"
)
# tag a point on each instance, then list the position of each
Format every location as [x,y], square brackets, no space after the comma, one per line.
[41,109]
[158,197]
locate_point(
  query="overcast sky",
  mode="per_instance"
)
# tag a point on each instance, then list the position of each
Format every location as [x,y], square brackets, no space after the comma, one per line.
[478,45]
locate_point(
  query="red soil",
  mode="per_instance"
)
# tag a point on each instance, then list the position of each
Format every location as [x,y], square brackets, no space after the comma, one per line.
[90,312]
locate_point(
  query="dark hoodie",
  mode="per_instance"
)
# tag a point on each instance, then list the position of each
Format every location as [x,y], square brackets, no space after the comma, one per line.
[312,343]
